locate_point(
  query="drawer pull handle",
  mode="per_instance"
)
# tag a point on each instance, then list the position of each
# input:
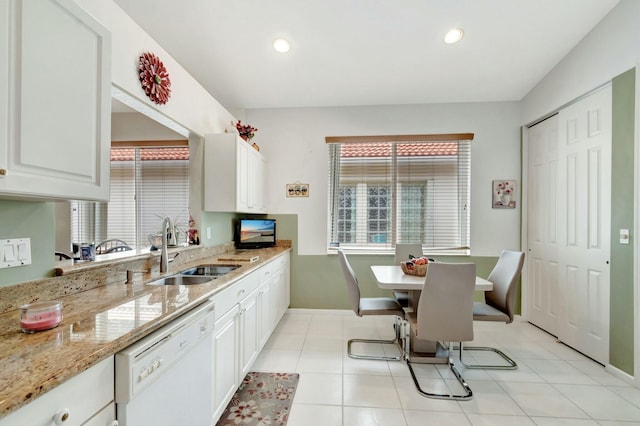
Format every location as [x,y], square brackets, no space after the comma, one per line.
[241,292]
[62,416]
[3,172]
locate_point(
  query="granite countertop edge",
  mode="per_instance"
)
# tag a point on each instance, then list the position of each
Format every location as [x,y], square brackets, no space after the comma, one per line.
[32,364]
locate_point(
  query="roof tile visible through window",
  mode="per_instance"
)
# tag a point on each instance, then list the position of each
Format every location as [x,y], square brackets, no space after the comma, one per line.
[127,154]
[431,149]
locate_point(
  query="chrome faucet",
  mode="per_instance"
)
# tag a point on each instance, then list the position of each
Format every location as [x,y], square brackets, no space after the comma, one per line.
[164,260]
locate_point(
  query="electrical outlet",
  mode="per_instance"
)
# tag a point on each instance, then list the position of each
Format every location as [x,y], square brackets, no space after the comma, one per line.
[208,232]
[624,236]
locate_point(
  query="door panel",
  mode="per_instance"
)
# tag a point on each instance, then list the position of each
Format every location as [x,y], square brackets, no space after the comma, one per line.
[542,256]
[585,160]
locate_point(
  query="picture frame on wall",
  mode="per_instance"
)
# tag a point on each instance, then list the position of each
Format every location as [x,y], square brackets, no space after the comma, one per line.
[504,194]
[297,190]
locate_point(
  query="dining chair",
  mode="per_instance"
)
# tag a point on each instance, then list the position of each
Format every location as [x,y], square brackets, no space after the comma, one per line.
[372,306]
[499,304]
[402,254]
[112,246]
[444,314]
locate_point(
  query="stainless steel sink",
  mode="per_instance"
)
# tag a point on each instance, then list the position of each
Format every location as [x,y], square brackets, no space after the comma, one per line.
[210,270]
[182,280]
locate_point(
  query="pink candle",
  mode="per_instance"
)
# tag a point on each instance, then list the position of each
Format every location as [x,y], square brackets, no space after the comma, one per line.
[40,316]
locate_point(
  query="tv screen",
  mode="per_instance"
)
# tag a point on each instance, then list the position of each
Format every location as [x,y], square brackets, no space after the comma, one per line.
[255,233]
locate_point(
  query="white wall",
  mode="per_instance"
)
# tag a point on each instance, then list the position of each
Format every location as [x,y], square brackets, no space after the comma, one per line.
[610,49]
[132,126]
[293,140]
[190,105]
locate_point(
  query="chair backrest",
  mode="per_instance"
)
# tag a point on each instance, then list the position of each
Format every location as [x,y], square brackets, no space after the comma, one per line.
[112,245]
[404,250]
[352,282]
[505,277]
[445,307]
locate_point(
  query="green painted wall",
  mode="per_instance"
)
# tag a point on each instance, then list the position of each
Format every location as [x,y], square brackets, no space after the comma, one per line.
[621,340]
[34,220]
[317,281]
[221,225]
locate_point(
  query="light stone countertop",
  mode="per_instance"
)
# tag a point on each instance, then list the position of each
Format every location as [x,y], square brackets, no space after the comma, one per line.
[97,323]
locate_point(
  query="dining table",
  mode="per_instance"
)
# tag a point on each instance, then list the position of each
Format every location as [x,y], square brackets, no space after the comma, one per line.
[391,277]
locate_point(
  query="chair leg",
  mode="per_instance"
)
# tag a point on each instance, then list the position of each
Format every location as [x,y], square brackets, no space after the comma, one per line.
[510,366]
[463,397]
[398,327]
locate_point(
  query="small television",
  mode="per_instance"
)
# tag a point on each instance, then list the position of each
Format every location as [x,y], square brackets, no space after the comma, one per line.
[255,233]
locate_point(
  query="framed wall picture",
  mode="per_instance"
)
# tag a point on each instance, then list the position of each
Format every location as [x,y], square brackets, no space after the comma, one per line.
[504,194]
[297,190]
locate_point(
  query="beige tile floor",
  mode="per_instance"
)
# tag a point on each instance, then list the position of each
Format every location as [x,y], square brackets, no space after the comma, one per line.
[554,385]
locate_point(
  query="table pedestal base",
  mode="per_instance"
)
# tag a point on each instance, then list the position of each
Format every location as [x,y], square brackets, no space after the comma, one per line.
[428,352]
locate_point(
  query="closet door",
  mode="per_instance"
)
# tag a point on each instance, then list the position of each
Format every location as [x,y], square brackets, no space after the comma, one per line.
[569,224]
[542,226]
[584,190]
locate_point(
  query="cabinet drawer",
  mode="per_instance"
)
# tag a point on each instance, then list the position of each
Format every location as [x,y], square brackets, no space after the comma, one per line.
[281,262]
[271,268]
[266,272]
[237,291]
[81,397]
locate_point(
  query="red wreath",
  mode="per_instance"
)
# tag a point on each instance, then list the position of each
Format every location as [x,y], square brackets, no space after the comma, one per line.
[154,78]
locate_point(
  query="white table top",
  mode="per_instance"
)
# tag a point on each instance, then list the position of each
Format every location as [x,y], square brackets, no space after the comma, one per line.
[392,277]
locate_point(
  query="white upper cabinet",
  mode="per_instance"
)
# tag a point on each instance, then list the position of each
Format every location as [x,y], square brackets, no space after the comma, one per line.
[234,175]
[55,117]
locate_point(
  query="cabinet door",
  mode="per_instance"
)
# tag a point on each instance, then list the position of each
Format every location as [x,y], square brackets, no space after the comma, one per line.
[59,112]
[78,399]
[106,417]
[233,175]
[243,198]
[283,278]
[265,312]
[225,362]
[249,333]
[255,181]
[260,185]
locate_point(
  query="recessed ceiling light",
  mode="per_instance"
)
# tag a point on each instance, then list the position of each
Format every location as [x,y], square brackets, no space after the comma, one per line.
[453,36]
[281,45]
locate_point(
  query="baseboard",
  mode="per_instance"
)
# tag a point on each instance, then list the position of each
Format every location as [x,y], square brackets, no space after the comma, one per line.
[320,311]
[622,375]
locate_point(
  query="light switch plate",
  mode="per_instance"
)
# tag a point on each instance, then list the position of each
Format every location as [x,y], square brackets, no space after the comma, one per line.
[624,236]
[15,252]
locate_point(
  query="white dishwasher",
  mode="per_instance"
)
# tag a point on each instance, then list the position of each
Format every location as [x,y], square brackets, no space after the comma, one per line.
[166,377]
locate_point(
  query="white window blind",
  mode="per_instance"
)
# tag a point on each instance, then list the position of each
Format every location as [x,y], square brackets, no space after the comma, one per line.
[383,193]
[163,191]
[147,184]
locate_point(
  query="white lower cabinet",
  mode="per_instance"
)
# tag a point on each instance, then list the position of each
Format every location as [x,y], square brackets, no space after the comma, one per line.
[246,314]
[249,332]
[85,399]
[225,359]
[265,313]
[280,288]
[105,417]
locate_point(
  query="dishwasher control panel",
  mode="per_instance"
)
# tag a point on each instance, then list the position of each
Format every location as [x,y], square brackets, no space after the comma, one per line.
[147,370]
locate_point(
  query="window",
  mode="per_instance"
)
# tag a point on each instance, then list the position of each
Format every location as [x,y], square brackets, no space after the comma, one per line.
[147,184]
[414,189]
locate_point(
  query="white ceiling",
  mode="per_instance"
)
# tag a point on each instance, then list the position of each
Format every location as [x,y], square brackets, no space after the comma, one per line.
[366,52]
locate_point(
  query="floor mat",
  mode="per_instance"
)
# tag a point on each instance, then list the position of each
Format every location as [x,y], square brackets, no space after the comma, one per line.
[261,399]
